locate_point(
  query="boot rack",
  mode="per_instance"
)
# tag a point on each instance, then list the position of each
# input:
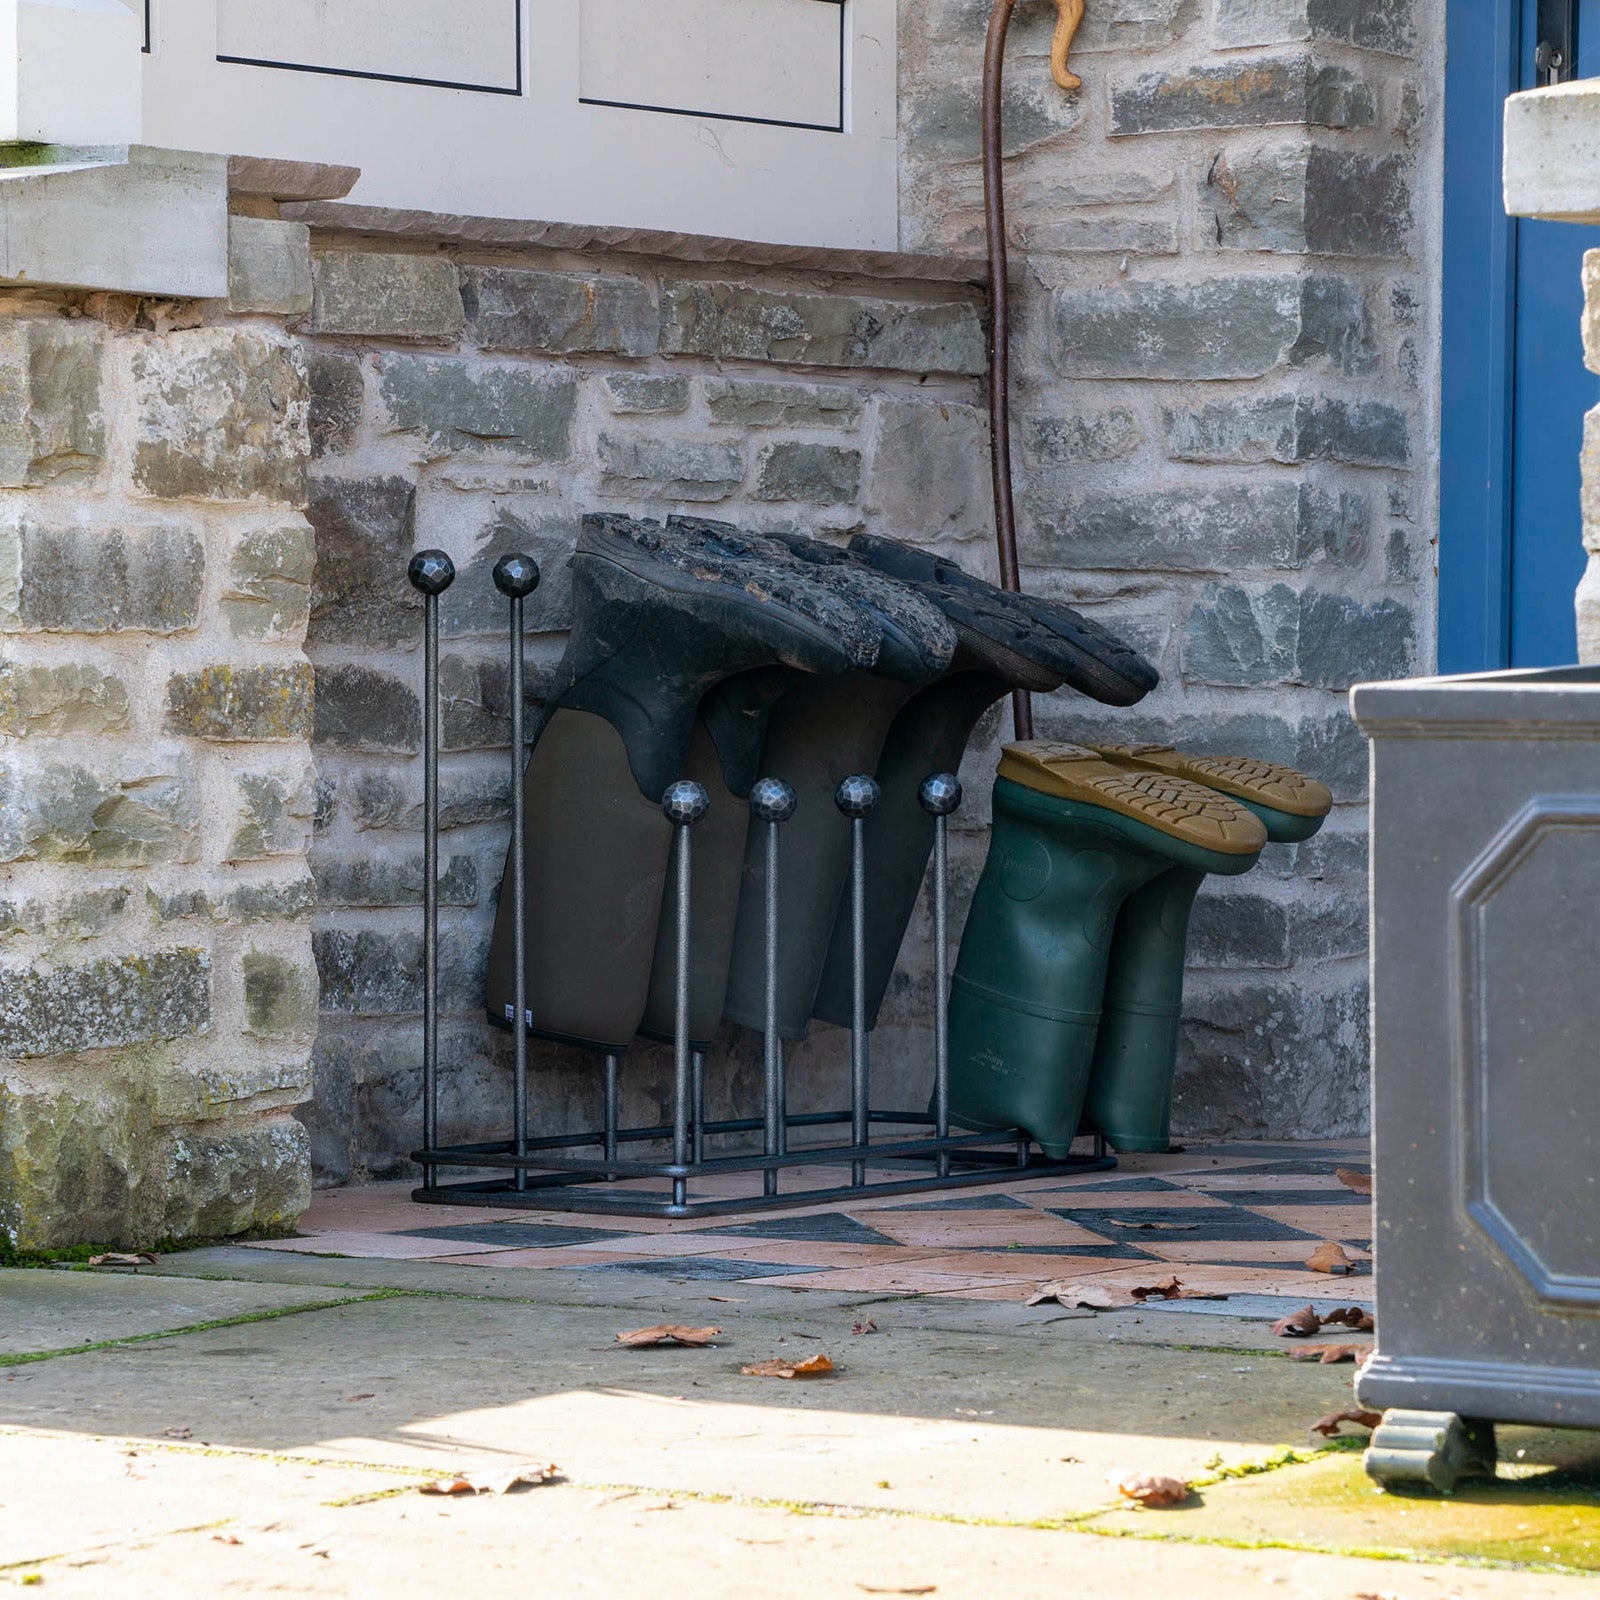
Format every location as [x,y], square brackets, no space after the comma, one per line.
[555,1172]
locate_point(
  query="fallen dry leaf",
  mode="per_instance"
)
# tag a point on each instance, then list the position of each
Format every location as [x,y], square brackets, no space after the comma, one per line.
[914,1588]
[1298,1325]
[1156,1227]
[666,1333]
[866,1325]
[1331,1354]
[1361,1182]
[118,1258]
[178,1433]
[226,1538]
[1353,1317]
[1150,1489]
[350,1397]
[1328,1426]
[1172,1289]
[493,1480]
[1330,1257]
[812,1367]
[1090,1296]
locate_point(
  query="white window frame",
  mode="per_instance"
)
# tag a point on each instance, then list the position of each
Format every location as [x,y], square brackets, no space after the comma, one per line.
[529,146]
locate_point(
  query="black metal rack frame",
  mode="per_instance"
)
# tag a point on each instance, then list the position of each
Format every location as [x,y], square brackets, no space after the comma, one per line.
[544,1173]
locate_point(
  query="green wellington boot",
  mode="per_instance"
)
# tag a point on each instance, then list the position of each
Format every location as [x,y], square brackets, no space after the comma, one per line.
[1074,836]
[1135,1056]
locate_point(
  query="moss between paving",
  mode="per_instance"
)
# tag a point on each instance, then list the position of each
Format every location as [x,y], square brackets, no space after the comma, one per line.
[1542,1510]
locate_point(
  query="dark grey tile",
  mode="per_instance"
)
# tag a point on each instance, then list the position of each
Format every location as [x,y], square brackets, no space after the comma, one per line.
[831,1227]
[1285,1196]
[523,1235]
[1189,1224]
[971,1202]
[713,1269]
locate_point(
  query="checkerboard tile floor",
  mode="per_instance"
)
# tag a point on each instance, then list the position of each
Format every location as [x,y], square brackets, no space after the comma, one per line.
[1227,1219]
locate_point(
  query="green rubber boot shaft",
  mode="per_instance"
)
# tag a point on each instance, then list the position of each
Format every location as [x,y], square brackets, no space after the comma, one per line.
[1136,1055]
[1026,999]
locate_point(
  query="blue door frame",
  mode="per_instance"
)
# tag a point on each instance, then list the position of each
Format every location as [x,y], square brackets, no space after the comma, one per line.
[1509,549]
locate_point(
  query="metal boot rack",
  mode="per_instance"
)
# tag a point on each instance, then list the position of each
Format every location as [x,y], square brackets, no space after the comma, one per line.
[543,1173]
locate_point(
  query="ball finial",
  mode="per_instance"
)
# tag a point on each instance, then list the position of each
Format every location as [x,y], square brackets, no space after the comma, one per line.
[858,796]
[772,800]
[940,794]
[516,576]
[685,803]
[431,571]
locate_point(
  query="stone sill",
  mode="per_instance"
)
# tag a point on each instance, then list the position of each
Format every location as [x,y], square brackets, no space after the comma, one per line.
[1552,152]
[439,228]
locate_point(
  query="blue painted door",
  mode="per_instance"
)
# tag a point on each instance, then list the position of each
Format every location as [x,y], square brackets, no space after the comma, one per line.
[1515,386]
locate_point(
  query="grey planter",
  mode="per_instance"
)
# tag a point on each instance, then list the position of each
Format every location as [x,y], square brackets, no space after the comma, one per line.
[1486,1061]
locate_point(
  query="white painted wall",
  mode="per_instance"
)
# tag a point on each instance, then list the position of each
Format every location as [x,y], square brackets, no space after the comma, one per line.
[479,107]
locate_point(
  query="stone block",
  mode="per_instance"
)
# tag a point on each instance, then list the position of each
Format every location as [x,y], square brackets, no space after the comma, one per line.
[289,901]
[107,1004]
[646,393]
[389,880]
[138,811]
[763,403]
[1083,436]
[365,534]
[1238,931]
[187,1093]
[671,469]
[338,393]
[268,590]
[378,294]
[52,419]
[941,119]
[1201,528]
[475,405]
[280,996]
[272,814]
[71,917]
[1152,232]
[1239,637]
[231,704]
[359,708]
[55,701]
[1388,26]
[1310,201]
[930,471]
[371,973]
[736,322]
[99,580]
[1291,429]
[220,1179]
[68,1166]
[328,1115]
[269,267]
[1234,327]
[1291,90]
[220,414]
[560,313]
[817,474]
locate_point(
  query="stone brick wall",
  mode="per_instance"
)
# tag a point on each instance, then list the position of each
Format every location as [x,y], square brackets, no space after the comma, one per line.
[1225,274]
[157,998]
[482,402]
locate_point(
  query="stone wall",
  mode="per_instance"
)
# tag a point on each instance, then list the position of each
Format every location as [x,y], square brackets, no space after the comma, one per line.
[481,402]
[157,999]
[1225,280]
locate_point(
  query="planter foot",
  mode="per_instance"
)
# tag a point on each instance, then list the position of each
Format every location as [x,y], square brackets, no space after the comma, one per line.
[1429,1450]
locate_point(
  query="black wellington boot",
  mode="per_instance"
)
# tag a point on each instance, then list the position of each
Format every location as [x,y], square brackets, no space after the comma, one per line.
[1105,669]
[659,617]
[819,733]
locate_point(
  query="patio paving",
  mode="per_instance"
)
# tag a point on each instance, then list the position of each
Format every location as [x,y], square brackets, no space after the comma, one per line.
[257,1419]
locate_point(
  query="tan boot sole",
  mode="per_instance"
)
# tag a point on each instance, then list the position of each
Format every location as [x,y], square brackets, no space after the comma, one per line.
[1245,778]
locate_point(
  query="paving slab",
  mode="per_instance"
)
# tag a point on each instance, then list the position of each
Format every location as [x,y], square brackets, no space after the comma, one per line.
[916,1419]
[568,1543]
[53,1310]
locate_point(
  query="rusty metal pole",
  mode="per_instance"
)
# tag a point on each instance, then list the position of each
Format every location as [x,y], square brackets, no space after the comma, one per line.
[1069,15]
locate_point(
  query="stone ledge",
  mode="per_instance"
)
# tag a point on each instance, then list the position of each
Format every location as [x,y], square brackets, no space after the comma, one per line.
[270,178]
[436,227]
[1552,139]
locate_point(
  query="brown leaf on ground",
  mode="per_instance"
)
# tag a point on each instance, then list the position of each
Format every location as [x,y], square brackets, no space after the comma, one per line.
[866,1325]
[1353,1317]
[118,1258]
[1328,1426]
[178,1433]
[1172,1289]
[666,1333]
[1150,1489]
[913,1588]
[1330,1354]
[1298,1325]
[1330,1257]
[493,1480]
[1361,1182]
[1088,1296]
[816,1366]
[1156,1227]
